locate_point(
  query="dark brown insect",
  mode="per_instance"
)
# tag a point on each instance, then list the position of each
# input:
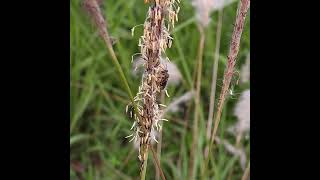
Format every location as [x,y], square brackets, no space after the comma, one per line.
[163,79]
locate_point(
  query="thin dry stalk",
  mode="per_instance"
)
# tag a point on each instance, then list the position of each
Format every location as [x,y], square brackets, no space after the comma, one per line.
[214,79]
[195,132]
[246,173]
[185,128]
[159,145]
[93,9]
[159,154]
[157,163]
[234,49]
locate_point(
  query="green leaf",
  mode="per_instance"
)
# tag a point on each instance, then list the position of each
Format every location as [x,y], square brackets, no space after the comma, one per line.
[78,138]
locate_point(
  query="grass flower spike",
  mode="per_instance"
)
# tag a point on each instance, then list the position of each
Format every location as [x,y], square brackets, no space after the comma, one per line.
[153,44]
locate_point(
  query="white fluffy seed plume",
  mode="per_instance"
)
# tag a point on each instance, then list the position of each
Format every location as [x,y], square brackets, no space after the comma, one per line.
[204,8]
[242,112]
[245,71]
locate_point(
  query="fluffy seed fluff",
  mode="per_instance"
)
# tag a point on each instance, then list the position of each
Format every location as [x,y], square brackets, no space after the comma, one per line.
[245,70]
[205,7]
[242,112]
[235,151]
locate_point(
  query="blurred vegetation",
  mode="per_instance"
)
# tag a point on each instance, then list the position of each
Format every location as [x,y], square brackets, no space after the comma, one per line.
[98,149]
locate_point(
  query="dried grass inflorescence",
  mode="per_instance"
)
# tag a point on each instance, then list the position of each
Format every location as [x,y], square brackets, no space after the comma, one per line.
[155,40]
[242,11]
[233,52]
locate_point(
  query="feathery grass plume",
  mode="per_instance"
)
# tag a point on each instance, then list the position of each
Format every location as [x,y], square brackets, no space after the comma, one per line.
[234,151]
[245,70]
[242,112]
[92,7]
[205,7]
[234,49]
[230,69]
[153,43]
[174,105]
[203,10]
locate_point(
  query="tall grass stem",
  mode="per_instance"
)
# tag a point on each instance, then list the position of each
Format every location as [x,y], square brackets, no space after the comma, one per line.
[214,74]
[194,147]
[229,71]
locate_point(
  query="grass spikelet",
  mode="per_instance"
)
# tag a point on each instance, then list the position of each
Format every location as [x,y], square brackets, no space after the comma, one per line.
[230,69]
[153,44]
[93,9]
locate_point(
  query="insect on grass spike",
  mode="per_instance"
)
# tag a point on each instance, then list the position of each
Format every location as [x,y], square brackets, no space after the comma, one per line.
[154,42]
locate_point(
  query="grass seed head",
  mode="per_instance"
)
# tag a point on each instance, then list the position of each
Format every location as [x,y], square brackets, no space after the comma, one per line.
[154,42]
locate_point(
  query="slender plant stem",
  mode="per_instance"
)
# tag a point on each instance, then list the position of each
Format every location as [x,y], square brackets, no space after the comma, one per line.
[246,173]
[214,74]
[197,105]
[213,83]
[159,154]
[157,163]
[234,49]
[157,177]
[120,71]
[94,10]
[183,136]
[144,170]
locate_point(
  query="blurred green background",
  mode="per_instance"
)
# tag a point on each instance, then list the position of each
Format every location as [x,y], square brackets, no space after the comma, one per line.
[98,149]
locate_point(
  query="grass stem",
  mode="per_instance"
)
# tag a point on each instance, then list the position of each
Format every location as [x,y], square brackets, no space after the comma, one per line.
[195,132]
[145,162]
[229,71]
[246,173]
[157,163]
[214,74]
[94,10]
